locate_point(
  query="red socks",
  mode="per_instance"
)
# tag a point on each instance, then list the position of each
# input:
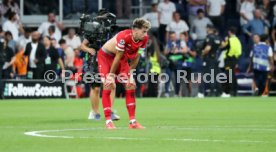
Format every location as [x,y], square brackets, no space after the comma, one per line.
[106,104]
[130,103]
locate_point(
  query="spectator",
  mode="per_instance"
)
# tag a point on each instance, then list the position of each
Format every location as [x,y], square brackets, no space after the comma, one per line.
[165,17]
[13,25]
[44,27]
[61,56]
[9,59]
[10,42]
[152,17]
[8,6]
[215,9]
[177,25]
[23,40]
[78,64]
[199,25]
[246,11]
[20,65]
[52,34]
[72,39]
[182,8]
[52,56]
[56,45]
[78,61]
[35,51]
[262,60]
[69,54]
[256,25]
[266,9]
[194,5]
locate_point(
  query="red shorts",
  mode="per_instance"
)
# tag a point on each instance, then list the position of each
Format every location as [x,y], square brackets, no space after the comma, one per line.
[105,61]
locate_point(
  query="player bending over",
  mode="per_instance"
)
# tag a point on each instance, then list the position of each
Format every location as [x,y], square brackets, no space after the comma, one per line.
[113,60]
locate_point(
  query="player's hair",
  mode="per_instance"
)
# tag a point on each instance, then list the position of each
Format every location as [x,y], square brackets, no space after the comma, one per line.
[141,23]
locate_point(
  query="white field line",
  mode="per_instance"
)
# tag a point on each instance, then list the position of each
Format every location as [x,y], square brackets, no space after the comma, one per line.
[217,128]
[41,133]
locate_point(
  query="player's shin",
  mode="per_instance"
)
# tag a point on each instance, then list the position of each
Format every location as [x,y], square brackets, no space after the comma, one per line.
[106,101]
[131,104]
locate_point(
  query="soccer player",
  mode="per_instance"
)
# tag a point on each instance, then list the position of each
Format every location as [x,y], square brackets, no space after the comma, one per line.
[113,59]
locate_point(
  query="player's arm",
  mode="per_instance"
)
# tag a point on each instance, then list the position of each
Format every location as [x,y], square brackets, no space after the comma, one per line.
[84,47]
[116,61]
[120,47]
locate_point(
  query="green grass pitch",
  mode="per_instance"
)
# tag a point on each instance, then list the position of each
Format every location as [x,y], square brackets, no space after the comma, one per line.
[173,125]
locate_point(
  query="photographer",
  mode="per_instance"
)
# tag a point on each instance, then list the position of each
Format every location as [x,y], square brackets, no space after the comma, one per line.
[91,44]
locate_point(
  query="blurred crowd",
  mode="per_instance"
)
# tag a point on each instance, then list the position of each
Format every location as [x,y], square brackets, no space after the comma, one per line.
[190,35]
[224,35]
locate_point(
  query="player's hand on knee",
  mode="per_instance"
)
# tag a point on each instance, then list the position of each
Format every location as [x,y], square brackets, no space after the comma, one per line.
[109,82]
[131,84]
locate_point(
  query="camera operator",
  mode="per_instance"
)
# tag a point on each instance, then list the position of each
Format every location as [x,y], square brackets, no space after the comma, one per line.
[92,49]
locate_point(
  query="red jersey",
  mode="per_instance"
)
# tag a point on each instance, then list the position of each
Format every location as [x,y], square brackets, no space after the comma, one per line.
[126,43]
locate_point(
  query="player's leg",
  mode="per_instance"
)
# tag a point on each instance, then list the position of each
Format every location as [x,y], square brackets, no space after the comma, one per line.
[107,104]
[130,88]
[114,116]
[104,64]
